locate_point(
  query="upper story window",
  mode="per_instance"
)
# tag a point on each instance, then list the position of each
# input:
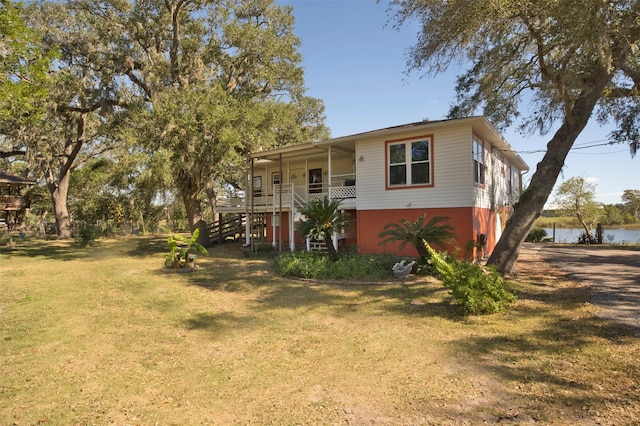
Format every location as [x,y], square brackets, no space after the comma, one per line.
[409,162]
[478,161]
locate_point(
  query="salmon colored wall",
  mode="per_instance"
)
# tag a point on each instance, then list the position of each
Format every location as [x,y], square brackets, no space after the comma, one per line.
[372,222]
[351,230]
[484,222]
[285,227]
[467,221]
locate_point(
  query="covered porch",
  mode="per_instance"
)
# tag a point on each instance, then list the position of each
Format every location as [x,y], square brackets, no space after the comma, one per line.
[289,177]
[281,181]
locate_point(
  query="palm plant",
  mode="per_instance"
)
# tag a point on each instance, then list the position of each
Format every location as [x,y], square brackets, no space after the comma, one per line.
[324,218]
[417,233]
[182,250]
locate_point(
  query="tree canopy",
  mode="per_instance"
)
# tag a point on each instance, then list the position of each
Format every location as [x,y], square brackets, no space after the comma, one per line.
[214,81]
[565,58]
[576,197]
[190,85]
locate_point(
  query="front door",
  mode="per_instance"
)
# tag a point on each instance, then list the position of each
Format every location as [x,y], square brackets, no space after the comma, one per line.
[315,181]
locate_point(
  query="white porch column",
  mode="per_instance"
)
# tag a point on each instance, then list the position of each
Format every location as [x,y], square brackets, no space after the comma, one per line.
[329,172]
[292,243]
[274,243]
[250,212]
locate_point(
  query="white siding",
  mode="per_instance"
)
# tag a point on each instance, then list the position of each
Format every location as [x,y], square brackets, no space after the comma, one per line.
[452,167]
[340,167]
[495,194]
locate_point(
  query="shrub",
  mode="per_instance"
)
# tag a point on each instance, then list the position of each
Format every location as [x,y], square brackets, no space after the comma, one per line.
[435,232]
[88,235]
[536,235]
[477,289]
[587,238]
[349,266]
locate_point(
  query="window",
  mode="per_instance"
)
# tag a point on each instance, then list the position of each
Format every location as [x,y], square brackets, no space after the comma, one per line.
[478,161]
[315,181]
[257,186]
[409,162]
[275,177]
[509,180]
[515,181]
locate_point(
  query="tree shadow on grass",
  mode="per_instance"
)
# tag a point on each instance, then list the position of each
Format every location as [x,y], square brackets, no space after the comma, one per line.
[227,269]
[566,377]
[218,324]
[148,246]
[561,364]
[59,250]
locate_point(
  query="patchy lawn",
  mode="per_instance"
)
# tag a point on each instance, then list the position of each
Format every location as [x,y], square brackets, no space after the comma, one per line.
[104,335]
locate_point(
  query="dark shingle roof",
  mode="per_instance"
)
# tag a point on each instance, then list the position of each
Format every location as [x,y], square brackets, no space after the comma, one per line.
[13,179]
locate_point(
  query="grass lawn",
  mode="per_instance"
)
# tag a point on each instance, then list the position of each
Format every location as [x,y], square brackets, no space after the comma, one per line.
[104,335]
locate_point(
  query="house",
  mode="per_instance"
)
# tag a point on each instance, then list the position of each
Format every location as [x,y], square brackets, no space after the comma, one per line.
[13,203]
[462,169]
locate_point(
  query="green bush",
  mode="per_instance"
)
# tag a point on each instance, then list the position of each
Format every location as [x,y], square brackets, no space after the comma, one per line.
[476,289]
[88,235]
[587,238]
[536,235]
[349,266]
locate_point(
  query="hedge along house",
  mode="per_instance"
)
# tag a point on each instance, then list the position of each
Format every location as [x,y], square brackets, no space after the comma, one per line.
[462,169]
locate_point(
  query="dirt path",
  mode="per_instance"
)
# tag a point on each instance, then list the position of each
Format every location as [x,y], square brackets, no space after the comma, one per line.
[612,273]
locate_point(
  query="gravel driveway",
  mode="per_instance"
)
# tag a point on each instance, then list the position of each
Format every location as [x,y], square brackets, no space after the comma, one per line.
[612,273]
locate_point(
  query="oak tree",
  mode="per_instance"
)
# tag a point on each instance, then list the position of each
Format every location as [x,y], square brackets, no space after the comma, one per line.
[217,80]
[565,57]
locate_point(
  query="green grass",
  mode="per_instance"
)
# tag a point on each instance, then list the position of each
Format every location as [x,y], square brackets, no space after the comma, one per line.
[104,335]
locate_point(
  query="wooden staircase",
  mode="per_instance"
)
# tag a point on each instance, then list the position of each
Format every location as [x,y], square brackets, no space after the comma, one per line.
[232,227]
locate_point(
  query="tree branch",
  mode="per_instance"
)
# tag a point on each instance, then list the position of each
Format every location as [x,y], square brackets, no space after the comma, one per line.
[632,73]
[13,153]
[91,108]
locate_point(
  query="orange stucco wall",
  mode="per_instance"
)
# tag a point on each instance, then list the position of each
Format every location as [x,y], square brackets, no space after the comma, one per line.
[468,223]
[484,222]
[351,231]
[285,227]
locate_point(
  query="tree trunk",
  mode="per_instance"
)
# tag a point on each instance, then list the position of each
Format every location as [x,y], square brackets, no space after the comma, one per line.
[211,195]
[587,228]
[532,201]
[195,218]
[59,199]
[59,189]
[333,254]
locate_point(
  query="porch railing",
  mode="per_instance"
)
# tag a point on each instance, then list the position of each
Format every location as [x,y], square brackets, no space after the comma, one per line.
[291,195]
[13,202]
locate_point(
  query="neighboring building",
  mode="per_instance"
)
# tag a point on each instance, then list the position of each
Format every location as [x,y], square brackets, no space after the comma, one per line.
[13,203]
[462,169]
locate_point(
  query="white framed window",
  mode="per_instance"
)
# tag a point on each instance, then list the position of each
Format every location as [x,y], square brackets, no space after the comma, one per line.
[478,161]
[409,162]
[515,182]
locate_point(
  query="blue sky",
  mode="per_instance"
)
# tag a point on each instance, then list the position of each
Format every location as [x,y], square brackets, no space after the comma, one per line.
[355,62]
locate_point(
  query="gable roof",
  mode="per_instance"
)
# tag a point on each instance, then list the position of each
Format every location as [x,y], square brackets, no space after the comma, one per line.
[13,180]
[480,125]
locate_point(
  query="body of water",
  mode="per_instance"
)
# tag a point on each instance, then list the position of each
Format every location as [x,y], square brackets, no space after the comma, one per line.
[609,236]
